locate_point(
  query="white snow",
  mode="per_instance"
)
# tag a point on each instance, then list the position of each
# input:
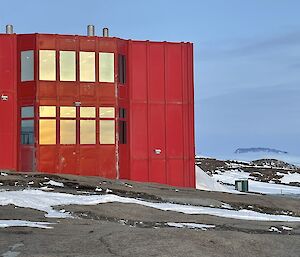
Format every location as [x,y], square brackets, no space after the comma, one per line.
[24,223]
[274,229]
[208,183]
[289,177]
[54,183]
[3,174]
[190,225]
[45,201]
[286,228]
[229,177]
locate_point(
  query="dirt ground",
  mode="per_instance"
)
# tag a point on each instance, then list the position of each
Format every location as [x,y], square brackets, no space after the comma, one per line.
[116,229]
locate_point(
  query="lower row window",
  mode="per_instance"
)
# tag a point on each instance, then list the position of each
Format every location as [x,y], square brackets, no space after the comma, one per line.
[47,132]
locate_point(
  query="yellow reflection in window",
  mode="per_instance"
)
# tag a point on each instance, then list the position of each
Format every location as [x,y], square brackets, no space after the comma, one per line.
[47,65]
[87,112]
[67,65]
[107,131]
[47,131]
[87,132]
[67,112]
[47,111]
[107,112]
[87,66]
[106,67]
[68,132]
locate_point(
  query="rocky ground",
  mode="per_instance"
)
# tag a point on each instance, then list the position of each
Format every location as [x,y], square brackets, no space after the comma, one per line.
[264,170]
[119,229]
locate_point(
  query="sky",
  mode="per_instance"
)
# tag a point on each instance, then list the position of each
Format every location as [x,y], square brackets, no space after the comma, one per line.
[246,58]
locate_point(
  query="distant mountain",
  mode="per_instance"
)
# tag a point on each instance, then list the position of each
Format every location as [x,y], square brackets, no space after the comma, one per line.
[259,149]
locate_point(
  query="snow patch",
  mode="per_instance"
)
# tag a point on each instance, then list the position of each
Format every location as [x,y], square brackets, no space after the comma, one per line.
[208,183]
[190,225]
[54,183]
[24,223]
[45,201]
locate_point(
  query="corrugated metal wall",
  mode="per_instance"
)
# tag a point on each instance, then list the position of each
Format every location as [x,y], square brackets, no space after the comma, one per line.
[8,107]
[161,113]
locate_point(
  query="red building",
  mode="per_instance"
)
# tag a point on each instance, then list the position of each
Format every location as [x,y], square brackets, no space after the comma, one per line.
[97,106]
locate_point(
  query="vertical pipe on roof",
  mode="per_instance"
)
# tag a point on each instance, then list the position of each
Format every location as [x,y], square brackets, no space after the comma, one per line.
[90,30]
[9,29]
[105,32]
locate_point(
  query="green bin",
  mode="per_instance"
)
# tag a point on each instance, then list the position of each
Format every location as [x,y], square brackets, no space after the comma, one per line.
[242,185]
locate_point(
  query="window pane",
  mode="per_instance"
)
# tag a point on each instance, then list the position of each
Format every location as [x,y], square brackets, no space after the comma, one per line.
[27,112]
[47,132]
[47,65]
[106,67]
[68,131]
[107,112]
[122,113]
[27,65]
[67,112]
[27,132]
[122,68]
[87,66]
[67,65]
[107,131]
[87,112]
[123,132]
[87,132]
[47,111]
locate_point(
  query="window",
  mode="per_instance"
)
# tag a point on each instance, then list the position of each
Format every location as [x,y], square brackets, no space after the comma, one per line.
[27,65]
[122,68]
[47,111]
[67,112]
[107,131]
[67,65]
[67,125]
[87,112]
[47,125]
[122,113]
[87,125]
[27,132]
[27,112]
[106,67]
[47,64]
[122,132]
[87,66]
[87,131]
[67,132]
[107,112]
[122,126]
[47,132]
[107,125]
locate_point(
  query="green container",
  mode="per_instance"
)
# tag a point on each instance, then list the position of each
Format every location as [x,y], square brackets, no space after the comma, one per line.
[242,185]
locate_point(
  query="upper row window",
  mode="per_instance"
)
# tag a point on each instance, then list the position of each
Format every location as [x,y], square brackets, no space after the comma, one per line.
[67,66]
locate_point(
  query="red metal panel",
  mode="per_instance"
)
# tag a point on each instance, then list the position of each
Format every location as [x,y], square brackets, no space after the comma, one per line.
[67,159]
[157,168]
[174,85]
[8,107]
[157,131]
[88,159]
[138,64]
[156,72]
[175,173]
[174,128]
[27,158]
[139,170]
[139,131]
[47,156]
[107,161]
